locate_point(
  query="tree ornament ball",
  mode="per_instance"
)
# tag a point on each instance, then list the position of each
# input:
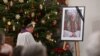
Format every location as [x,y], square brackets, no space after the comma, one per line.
[17,16]
[9,23]
[5,1]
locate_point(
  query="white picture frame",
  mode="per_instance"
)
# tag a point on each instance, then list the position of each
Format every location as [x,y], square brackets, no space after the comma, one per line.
[72,23]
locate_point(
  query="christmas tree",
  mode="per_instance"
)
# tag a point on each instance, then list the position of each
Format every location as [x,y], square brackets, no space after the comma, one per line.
[45,13]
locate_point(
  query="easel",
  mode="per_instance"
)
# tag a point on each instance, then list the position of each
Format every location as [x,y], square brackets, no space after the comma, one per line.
[77,48]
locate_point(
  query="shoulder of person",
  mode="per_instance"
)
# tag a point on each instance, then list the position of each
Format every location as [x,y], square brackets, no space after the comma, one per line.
[25,33]
[8,46]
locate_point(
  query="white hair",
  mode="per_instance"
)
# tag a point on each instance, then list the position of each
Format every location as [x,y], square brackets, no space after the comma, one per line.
[34,50]
[93,46]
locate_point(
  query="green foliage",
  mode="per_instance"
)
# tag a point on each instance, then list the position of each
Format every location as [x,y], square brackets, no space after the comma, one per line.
[47,10]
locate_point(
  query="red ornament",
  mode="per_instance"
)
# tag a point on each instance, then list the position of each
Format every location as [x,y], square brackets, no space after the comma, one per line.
[58,50]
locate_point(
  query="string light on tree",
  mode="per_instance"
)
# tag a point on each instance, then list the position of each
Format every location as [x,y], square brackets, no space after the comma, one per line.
[9,22]
[57,3]
[14,28]
[43,21]
[41,6]
[5,1]
[32,14]
[11,3]
[56,13]
[6,8]
[48,17]
[4,19]
[5,29]
[17,16]
[27,1]
[17,22]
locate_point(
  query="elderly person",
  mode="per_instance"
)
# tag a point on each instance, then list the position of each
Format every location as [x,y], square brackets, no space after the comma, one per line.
[25,37]
[34,50]
[5,49]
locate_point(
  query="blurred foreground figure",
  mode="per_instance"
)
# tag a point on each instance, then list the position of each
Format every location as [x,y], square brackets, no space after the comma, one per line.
[17,51]
[5,49]
[93,46]
[34,50]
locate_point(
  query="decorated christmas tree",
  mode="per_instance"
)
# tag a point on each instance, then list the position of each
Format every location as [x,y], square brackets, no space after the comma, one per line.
[45,13]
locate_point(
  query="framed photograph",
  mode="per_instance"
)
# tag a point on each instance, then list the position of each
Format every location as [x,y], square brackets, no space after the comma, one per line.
[72,23]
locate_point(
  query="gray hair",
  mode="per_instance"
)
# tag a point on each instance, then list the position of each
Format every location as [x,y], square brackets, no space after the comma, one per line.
[17,51]
[93,46]
[2,38]
[34,50]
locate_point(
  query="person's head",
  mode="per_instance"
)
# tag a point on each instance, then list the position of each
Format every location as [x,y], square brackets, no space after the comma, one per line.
[17,51]
[34,50]
[2,38]
[29,25]
[93,45]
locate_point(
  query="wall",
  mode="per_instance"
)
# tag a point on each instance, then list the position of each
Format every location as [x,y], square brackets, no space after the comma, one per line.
[92,20]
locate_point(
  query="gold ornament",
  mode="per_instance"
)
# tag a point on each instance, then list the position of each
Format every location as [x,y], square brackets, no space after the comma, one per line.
[32,14]
[9,23]
[54,22]
[17,22]
[5,1]
[4,19]
[41,6]
[11,3]
[17,16]
[21,1]
[48,36]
